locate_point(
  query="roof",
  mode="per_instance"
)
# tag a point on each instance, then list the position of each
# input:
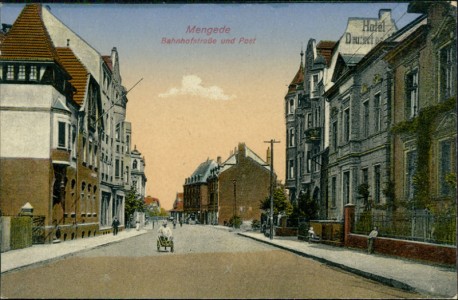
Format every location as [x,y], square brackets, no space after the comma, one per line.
[78,72]
[203,171]
[108,61]
[150,200]
[28,38]
[325,48]
[232,160]
[297,80]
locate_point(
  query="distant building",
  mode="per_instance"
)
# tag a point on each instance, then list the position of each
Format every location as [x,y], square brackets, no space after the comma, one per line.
[195,194]
[152,204]
[177,211]
[137,172]
[238,186]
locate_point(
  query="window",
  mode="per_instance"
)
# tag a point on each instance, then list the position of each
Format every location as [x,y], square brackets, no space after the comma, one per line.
[377,188]
[10,72]
[346,187]
[61,135]
[412,95]
[135,165]
[291,106]
[84,150]
[366,119]
[300,164]
[291,137]
[411,167]
[309,120]
[446,65]
[33,73]
[447,154]
[346,125]
[377,113]
[365,178]
[333,191]
[315,82]
[117,168]
[21,73]
[334,135]
[291,169]
[309,161]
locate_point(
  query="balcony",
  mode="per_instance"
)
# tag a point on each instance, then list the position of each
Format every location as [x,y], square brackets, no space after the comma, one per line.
[313,135]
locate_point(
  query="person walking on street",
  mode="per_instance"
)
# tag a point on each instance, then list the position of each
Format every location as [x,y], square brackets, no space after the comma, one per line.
[174,223]
[370,240]
[137,225]
[181,222]
[115,225]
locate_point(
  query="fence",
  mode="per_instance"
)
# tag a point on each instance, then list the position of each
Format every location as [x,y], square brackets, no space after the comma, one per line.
[417,225]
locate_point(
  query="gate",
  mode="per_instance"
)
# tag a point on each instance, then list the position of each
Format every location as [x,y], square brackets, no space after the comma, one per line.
[38,229]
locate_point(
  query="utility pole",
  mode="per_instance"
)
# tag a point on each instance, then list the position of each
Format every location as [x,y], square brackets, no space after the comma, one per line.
[272,142]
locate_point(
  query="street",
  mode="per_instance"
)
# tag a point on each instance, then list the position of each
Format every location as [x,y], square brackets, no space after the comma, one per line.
[207,263]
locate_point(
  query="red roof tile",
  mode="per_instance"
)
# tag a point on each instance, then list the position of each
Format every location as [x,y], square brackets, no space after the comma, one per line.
[77,70]
[325,48]
[28,38]
[298,79]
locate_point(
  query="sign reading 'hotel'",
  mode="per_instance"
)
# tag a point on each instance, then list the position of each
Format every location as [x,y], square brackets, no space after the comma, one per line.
[367,32]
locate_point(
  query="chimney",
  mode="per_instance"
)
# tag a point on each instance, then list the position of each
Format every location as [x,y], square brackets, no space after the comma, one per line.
[268,156]
[218,160]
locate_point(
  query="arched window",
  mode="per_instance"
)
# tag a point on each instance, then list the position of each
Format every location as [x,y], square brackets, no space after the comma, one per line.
[134,165]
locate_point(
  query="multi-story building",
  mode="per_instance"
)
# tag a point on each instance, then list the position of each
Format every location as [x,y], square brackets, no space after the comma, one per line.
[239,185]
[50,120]
[350,151]
[424,110]
[114,146]
[195,192]
[76,126]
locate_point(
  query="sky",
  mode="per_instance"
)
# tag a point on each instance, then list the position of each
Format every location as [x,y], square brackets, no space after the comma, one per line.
[198,101]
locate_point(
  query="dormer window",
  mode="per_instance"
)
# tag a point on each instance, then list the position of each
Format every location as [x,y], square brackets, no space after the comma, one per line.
[10,72]
[21,74]
[33,73]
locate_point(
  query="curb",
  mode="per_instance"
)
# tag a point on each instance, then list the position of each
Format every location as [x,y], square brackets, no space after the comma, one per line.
[47,260]
[384,280]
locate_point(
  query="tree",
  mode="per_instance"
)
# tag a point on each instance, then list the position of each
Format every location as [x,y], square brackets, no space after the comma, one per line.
[134,202]
[281,202]
[306,206]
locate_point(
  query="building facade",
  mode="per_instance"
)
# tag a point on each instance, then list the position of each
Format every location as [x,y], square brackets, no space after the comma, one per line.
[195,193]
[71,119]
[424,111]
[239,185]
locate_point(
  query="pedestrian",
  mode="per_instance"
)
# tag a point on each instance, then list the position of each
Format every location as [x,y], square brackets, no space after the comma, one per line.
[165,232]
[370,240]
[181,222]
[115,225]
[137,225]
[153,223]
[174,223]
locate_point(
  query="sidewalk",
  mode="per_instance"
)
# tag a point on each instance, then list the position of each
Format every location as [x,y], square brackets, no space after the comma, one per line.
[16,259]
[409,275]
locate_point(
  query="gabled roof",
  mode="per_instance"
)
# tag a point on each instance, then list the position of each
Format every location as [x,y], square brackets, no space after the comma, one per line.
[28,38]
[78,72]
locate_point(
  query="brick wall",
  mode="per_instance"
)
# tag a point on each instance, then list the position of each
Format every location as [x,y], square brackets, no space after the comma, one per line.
[440,254]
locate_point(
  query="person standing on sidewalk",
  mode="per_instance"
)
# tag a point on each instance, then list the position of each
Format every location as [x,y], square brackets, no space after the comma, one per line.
[115,226]
[370,240]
